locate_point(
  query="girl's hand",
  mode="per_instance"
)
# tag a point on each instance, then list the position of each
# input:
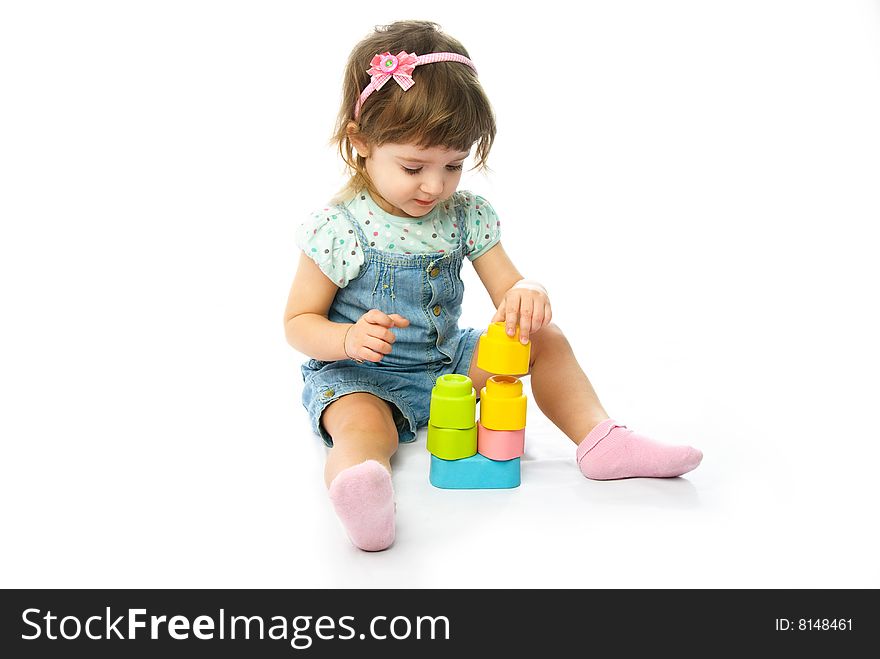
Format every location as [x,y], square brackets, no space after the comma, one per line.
[370,338]
[530,309]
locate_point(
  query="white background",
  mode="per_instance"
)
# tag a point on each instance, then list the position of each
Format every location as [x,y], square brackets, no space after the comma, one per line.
[713,167]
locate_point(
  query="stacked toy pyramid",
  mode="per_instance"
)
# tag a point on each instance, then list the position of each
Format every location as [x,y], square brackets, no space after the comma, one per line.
[466,454]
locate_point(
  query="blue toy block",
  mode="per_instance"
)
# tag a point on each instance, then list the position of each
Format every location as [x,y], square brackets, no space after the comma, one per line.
[474,473]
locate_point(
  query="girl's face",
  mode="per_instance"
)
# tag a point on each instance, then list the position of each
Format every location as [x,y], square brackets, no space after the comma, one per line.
[406,175]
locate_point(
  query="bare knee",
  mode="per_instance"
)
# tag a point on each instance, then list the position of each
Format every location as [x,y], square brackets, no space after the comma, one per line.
[548,338]
[360,417]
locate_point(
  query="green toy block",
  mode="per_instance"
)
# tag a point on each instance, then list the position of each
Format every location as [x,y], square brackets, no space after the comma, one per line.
[475,473]
[452,443]
[453,402]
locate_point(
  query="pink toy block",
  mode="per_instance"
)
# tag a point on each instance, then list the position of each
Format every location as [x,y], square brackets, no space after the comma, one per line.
[500,444]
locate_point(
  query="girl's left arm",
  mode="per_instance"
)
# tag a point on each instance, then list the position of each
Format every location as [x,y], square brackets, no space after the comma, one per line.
[527,308]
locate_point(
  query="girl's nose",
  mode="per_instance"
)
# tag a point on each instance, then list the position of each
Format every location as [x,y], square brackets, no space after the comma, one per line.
[432,186]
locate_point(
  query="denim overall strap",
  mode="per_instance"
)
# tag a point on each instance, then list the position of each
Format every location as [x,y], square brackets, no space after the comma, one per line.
[424,288]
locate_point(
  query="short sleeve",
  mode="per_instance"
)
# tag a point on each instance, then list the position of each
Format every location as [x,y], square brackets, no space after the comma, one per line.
[483,226]
[330,240]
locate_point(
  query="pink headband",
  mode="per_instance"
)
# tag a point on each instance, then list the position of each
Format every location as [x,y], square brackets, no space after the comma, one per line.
[400,67]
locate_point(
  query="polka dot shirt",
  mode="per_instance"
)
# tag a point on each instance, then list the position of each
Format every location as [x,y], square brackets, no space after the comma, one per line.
[332,242]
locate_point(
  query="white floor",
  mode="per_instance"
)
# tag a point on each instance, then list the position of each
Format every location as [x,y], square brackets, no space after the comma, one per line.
[231,495]
[747,517]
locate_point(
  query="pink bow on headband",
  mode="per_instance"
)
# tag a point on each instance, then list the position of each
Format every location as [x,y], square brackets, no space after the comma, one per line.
[400,67]
[387,66]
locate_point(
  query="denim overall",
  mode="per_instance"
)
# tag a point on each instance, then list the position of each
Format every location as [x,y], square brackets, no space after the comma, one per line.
[427,290]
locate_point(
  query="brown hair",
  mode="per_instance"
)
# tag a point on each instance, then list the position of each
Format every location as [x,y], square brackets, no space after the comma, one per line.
[446,106]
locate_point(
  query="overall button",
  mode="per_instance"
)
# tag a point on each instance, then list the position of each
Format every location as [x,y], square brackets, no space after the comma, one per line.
[329,393]
[436,310]
[435,272]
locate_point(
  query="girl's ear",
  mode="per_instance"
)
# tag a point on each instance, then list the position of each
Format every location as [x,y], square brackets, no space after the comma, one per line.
[359,143]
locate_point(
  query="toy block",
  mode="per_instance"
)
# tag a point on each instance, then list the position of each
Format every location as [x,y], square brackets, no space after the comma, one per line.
[500,444]
[502,354]
[503,404]
[452,443]
[453,402]
[474,473]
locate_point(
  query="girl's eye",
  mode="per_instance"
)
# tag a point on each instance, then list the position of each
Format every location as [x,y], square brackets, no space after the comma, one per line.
[451,168]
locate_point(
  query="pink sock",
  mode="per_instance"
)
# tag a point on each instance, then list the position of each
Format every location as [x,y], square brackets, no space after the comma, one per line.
[364,501]
[612,451]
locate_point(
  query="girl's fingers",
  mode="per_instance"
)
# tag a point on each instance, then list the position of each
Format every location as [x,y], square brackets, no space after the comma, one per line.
[511,315]
[526,309]
[523,310]
[366,354]
[377,345]
[538,318]
[377,317]
[381,333]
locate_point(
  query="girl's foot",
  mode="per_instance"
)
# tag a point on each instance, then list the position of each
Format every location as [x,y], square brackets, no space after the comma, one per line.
[612,451]
[364,502]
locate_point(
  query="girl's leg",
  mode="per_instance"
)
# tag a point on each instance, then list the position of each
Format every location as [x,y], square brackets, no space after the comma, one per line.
[358,468]
[606,450]
[362,429]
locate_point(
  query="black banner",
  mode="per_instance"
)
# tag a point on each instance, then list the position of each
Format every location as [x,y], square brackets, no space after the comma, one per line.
[288,623]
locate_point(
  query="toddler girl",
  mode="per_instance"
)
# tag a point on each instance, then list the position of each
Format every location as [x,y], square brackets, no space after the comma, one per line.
[377,294]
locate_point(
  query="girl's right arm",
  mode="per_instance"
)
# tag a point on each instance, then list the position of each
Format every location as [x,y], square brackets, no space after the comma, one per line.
[305,318]
[310,332]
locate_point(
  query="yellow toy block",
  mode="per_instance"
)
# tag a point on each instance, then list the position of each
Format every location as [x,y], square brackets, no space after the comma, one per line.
[502,354]
[503,404]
